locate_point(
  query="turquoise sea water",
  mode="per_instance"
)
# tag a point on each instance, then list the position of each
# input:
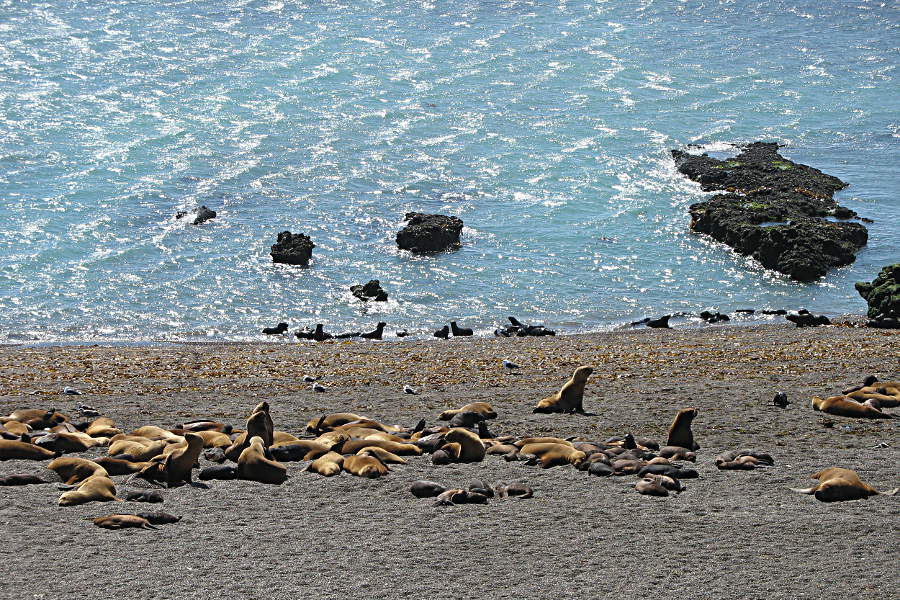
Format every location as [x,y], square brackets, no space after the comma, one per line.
[545,126]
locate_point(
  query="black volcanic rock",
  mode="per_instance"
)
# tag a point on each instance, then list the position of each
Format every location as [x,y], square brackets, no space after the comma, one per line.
[429,233]
[369,291]
[292,249]
[201,215]
[775,211]
[883,294]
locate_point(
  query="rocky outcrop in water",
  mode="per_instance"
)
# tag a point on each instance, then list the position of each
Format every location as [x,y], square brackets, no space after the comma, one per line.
[201,215]
[883,296]
[292,249]
[429,233]
[775,210]
[369,291]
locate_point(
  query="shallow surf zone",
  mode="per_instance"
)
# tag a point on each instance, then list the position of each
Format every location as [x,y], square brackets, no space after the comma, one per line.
[546,129]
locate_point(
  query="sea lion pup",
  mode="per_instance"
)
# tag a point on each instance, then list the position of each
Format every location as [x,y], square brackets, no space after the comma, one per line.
[302,450]
[72,470]
[570,398]
[680,431]
[16,450]
[743,460]
[551,454]
[842,407]
[254,466]
[837,485]
[20,479]
[482,408]
[677,453]
[36,418]
[102,427]
[658,485]
[516,490]
[328,464]
[218,472]
[144,496]
[176,466]
[159,518]
[98,488]
[355,445]
[123,522]
[426,489]
[365,464]
[471,447]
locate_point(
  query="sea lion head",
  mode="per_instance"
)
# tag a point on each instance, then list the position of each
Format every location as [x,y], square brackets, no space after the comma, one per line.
[582,373]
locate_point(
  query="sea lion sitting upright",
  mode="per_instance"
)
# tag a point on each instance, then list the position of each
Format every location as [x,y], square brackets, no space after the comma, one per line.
[837,485]
[842,407]
[472,448]
[176,466]
[570,398]
[253,464]
[680,431]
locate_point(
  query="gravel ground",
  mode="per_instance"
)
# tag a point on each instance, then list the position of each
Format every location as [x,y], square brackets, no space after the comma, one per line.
[730,535]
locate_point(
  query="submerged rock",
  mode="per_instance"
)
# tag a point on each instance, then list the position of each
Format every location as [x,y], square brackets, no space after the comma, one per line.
[429,233]
[201,215]
[369,291]
[883,296]
[775,211]
[292,249]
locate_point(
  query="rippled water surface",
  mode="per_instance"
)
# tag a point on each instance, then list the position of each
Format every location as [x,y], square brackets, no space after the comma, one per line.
[545,126]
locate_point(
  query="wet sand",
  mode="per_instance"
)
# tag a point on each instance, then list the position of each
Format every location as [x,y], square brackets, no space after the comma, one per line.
[729,535]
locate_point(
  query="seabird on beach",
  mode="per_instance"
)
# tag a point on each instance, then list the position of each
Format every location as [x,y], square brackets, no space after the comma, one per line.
[408,390]
[780,400]
[87,411]
[309,378]
[71,391]
[318,387]
[509,366]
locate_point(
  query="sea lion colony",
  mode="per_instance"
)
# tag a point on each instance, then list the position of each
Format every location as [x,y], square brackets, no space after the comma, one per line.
[365,447]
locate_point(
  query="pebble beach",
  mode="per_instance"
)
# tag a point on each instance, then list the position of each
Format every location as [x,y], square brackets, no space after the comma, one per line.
[730,534]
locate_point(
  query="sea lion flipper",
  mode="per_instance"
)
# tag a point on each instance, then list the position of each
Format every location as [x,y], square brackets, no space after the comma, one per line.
[808,491]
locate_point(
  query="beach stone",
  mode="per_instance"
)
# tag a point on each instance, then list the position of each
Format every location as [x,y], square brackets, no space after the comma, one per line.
[429,233]
[292,249]
[883,294]
[774,210]
[369,291]
[201,215]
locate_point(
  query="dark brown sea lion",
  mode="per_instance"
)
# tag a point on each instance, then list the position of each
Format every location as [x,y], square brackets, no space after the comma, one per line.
[226,472]
[843,407]
[569,399]
[20,479]
[36,418]
[515,490]
[426,489]
[680,431]
[159,518]
[144,496]
[837,485]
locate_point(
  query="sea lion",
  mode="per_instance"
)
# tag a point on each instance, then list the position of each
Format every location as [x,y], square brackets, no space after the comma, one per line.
[98,488]
[650,486]
[466,419]
[15,428]
[552,454]
[837,485]
[443,332]
[743,460]
[302,450]
[154,433]
[482,408]
[72,470]
[159,518]
[36,418]
[384,455]
[253,464]
[138,451]
[570,398]
[842,407]
[542,440]
[102,427]
[123,522]
[66,442]
[402,449]
[680,431]
[365,464]
[277,330]
[176,466]
[328,464]
[516,490]
[15,450]
[20,479]
[677,453]
[459,496]
[885,399]
[472,448]
[329,422]
[226,472]
[426,489]
[144,496]
[212,439]
[674,471]
[205,426]
[458,331]
[600,469]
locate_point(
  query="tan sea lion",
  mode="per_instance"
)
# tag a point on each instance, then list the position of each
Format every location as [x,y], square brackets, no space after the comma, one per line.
[329,422]
[570,398]
[328,464]
[15,450]
[677,453]
[97,488]
[72,470]
[842,407]
[651,486]
[36,418]
[175,467]
[383,455]
[355,445]
[16,427]
[66,442]
[102,427]
[212,438]
[482,408]
[472,448]
[123,522]
[153,433]
[552,454]
[138,451]
[886,400]
[680,431]
[120,466]
[254,466]
[365,464]
[837,485]
[542,440]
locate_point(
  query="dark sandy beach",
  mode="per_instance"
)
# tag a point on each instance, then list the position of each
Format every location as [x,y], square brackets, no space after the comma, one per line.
[729,535]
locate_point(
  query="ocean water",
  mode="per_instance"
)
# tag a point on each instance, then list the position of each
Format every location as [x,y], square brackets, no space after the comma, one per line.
[544,125]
